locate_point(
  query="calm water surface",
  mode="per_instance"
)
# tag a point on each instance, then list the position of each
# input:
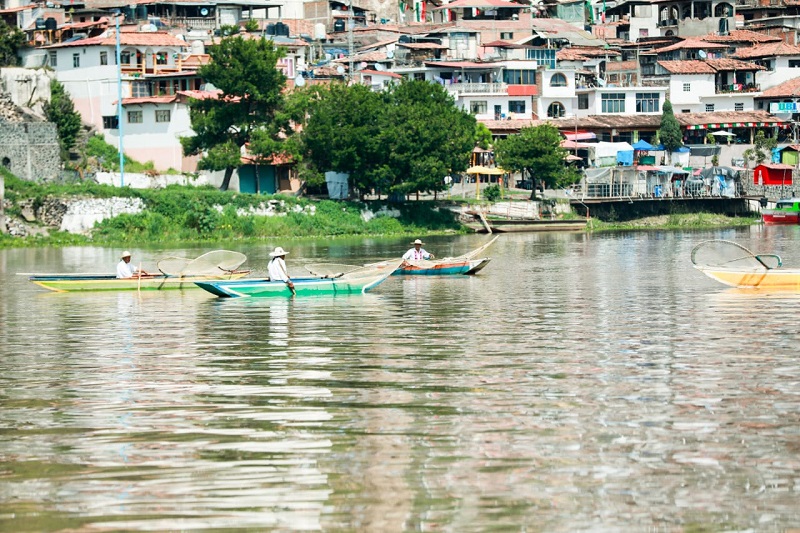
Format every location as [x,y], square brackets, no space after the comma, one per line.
[579,383]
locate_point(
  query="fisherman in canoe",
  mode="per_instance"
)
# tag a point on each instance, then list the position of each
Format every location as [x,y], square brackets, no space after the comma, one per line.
[125,269]
[277,267]
[417,253]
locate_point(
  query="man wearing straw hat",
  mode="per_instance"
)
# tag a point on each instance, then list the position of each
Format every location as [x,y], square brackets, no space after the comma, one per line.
[125,269]
[417,253]
[277,267]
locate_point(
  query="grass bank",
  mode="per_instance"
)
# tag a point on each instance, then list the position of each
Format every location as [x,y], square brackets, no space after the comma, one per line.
[178,214]
[674,221]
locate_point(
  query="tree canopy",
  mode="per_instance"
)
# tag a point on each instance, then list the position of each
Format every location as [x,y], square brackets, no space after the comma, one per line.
[670,132]
[536,152]
[11,39]
[248,109]
[402,140]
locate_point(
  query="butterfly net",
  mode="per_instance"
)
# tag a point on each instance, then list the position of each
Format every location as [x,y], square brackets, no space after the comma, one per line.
[216,263]
[729,255]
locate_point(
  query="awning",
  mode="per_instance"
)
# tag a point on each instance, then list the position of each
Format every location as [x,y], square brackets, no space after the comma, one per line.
[486,170]
[580,136]
[643,145]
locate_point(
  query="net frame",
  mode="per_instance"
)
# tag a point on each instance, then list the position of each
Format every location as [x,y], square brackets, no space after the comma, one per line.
[719,253]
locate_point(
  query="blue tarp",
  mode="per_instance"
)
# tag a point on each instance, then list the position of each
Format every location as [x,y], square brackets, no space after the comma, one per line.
[643,145]
[625,158]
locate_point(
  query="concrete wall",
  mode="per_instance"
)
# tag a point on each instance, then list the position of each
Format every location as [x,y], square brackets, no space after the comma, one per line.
[27,87]
[30,150]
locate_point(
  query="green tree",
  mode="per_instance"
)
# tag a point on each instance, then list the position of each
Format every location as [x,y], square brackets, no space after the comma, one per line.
[61,111]
[342,133]
[537,153]
[248,109]
[403,140]
[426,137]
[670,132]
[483,136]
[761,149]
[11,40]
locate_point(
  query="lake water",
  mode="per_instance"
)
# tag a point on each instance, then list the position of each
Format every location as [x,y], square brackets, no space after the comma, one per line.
[578,383]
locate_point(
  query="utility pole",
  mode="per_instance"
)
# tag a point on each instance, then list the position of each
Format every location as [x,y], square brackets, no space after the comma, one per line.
[350,23]
[117,14]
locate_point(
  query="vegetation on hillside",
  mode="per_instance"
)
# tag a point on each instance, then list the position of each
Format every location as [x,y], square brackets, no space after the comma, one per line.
[61,111]
[11,40]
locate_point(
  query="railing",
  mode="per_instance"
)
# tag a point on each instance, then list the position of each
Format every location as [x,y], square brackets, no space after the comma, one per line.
[478,88]
[200,23]
[739,88]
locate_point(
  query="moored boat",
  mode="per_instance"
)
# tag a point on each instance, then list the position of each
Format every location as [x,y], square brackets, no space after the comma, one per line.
[484,224]
[786,212]
[357,281]
[736,266]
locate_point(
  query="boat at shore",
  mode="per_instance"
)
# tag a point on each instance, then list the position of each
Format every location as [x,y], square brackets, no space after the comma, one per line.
[492,224]
[109,282]
[786,212]
[357,281]
[736,266]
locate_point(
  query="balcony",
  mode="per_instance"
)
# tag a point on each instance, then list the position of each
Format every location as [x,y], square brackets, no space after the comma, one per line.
[738,88]
[478,88]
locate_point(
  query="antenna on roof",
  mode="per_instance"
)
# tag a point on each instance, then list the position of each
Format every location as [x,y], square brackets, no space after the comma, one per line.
[702,54]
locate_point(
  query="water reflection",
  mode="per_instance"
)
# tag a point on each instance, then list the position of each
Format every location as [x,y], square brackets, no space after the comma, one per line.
[580,382]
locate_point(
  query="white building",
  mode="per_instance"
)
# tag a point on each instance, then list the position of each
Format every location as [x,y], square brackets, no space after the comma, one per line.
[711,85]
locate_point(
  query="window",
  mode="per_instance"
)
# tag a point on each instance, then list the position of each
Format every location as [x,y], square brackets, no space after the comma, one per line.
[738,106]
[686,110]
[583,101]
[478,107]
[647,103]
[687,87]
[613,103]
[519,77]
[162,115]
[506,35]
[558,80]
[76,60]
[419,76]
[140,89]
[125,58]
[135,117]
[104,58]
[516,106]
[556,110]
[161,58]
[111,122]
[53,58]
[794,63]
[709,108]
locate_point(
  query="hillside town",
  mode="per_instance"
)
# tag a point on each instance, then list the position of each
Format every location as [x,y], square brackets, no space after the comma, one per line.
[600,71]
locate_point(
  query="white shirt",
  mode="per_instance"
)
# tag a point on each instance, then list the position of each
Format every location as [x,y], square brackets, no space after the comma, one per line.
[416,255]
[125,270]
[277,269]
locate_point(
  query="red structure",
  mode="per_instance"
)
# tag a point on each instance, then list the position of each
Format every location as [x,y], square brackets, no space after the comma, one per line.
[773,174]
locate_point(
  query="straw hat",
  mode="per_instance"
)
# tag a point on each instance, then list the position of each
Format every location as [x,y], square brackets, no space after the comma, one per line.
[277,252]
[417,242]
[125,254]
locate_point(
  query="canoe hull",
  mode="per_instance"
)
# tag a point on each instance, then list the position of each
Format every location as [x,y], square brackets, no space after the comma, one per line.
[519,226]
[443,268]
[264,288]
[79,283]
[774,217]
[775,279]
